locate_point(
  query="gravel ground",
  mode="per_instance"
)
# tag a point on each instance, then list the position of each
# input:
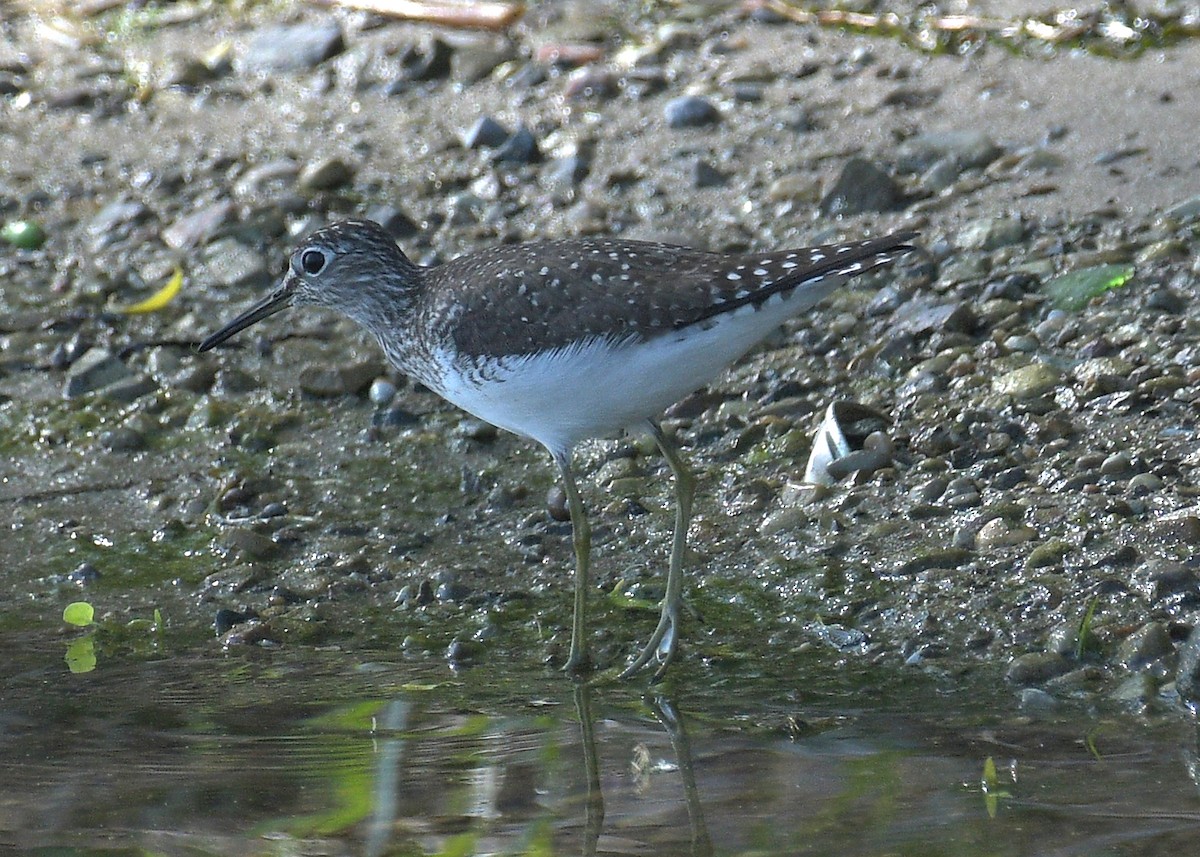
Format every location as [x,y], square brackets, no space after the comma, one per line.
[1046,466]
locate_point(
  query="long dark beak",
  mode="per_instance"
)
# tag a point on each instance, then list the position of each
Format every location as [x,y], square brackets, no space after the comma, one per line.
[278,300]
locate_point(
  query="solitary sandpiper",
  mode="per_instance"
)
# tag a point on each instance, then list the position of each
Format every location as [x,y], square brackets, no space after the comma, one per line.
[560,341]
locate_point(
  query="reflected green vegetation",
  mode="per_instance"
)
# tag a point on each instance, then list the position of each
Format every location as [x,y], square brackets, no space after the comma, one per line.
[306,751]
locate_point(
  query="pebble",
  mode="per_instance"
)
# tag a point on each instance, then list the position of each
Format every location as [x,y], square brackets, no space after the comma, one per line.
[96,369]
[324,174]
[931,490]
[1167,300]
[291,47]
[690,111]
[394,417]
[1117,465]
[122,439]
[1028,382]
[115,222]
[1034,700]
[998,533]
[1135,691]
[394,221]
[991,233]
[1187,674]
[477,430]
[1179,529]
[229,262]
[475,61]
[566,172]
[464,651]
[520,148]
[258,179]
[861,187]
[251,545]
[556,504]
[951,557]
[794,188]
[1184,212]
[1145,645]
[929,315]
[591,81]
[381,392]
[485,132]
[941,176]
[325,381]
[704,175]
[1162,251]
[273,510]
[1047,555]
[430,58]
[464,208]
[198,227]
[1159,579]
[84,574]
[226,620]
[452,591]
[1008,479]
[1036,668]
[966,149]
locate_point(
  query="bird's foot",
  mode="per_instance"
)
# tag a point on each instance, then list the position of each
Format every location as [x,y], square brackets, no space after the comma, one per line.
[661,646]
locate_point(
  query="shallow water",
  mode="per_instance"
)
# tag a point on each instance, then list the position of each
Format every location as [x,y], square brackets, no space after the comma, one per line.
[325,753]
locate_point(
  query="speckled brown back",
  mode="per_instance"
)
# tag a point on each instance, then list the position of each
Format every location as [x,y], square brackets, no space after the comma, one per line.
[523,298]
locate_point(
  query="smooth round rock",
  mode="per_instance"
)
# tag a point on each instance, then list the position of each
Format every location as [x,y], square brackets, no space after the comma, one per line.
[382,392]
[690,111]
[1036,667]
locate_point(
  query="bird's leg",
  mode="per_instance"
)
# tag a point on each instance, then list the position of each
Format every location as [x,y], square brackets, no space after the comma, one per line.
[581,532]
[665,638]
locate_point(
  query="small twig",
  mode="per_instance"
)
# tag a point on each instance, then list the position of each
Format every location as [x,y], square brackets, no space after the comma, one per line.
[481,15]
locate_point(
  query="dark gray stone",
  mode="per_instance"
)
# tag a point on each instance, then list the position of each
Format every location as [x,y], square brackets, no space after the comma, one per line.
[520,148]
[486,132]
[428,59]
[325,174]
[394,221]
[690,111]
[705,175]
[96,369]
[861,187]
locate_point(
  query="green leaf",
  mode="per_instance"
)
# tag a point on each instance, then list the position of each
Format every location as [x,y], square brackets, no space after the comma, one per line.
[1072,291]
[26,234]
[1085,638]
[81,655]
[990,779]
[79,613]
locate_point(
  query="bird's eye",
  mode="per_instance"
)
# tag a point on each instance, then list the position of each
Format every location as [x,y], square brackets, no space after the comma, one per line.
[312,261]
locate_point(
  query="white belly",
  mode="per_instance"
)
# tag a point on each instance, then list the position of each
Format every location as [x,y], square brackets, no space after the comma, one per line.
[598,387]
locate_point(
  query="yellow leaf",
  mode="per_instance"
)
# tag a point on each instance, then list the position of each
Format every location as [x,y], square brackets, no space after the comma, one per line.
[159,299]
